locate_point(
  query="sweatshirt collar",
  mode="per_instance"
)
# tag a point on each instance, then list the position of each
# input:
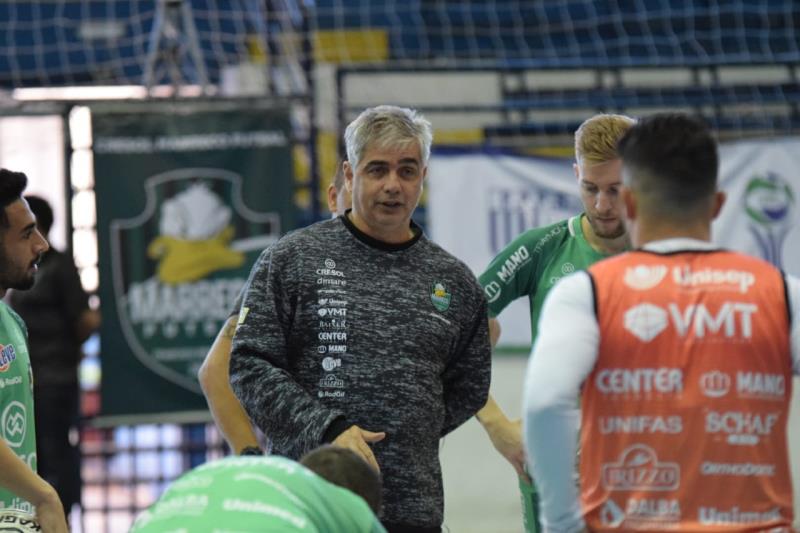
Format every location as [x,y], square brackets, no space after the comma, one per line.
[376,243]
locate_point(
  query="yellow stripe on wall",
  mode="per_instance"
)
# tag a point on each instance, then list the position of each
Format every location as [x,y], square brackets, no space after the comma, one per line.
[351,46]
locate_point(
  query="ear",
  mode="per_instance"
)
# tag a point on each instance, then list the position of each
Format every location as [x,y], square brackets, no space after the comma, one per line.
[629,199]
[576,170]
[348,176]
[332,198]
[719,201]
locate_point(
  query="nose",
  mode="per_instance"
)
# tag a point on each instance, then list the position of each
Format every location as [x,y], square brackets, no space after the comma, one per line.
[41,245]
[603,202]
[392,182]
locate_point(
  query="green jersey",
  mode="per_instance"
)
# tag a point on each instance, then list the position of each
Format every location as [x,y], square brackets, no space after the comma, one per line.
[248,494]
[16,398]
[532,263]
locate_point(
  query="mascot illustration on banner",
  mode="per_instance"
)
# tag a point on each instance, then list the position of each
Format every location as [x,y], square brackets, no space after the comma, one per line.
[179,265]
[195,237]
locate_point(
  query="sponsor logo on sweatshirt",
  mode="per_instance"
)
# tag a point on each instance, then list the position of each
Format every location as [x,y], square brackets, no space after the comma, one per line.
[331,363]
[330,381]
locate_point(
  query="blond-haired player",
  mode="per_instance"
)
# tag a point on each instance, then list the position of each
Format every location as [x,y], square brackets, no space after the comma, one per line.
[550,252]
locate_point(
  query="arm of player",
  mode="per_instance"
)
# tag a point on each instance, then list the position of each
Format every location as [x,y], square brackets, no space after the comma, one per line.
[507,279]
[230,417]
[563,356]
[494,331]
[259,363]
[505,434]
[468,371]
[793,291]
[17,476]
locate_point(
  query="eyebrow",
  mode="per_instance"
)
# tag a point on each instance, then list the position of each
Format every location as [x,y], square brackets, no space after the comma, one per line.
[588,182]
[28,228]
[404,161]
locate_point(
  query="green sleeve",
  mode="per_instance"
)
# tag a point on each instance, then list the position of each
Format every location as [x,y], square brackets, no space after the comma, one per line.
[515,271]
[20,322]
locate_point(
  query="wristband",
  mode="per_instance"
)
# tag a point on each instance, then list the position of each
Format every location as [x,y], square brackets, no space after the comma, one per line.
[251,450]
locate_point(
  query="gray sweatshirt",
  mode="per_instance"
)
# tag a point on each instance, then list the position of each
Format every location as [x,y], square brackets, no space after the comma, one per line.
[339,329]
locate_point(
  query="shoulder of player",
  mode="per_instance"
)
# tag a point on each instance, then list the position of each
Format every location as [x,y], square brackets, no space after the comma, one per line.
[15,316]
[441,262]
[542,239]
[441,258]
[306,240]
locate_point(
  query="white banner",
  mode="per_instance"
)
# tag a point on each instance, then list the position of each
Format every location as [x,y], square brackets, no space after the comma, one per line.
[761,215]
[479,201]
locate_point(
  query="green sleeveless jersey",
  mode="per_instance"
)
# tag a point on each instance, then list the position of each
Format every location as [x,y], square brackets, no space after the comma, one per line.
[532,263]
[256,494]
[16,398]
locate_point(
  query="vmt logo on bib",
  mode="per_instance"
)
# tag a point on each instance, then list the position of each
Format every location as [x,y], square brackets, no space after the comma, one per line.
[179,265]
[768,202]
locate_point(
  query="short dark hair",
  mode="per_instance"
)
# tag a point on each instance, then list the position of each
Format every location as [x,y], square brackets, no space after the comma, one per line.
[11,186]
[43,212]
[343,467]
[671,160]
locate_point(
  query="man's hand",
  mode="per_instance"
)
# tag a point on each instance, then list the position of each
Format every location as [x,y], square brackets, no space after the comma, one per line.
[506,436]
[50,514]
[358,440]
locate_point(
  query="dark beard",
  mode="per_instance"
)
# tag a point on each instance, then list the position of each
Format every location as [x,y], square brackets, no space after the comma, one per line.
[618,232]
[22,283]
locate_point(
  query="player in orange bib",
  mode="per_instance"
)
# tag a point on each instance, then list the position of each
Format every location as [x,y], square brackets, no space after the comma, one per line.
[683,354]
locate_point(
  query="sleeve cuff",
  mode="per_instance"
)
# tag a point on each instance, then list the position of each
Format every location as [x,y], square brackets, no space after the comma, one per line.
[336,428]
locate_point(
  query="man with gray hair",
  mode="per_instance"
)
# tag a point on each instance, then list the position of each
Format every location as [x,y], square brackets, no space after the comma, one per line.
[361,332]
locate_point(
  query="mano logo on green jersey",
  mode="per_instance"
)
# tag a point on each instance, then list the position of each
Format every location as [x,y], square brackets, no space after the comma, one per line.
[440,297]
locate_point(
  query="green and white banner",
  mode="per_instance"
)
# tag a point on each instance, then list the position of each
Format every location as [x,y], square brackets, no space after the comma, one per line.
[186,200]
[479,201]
